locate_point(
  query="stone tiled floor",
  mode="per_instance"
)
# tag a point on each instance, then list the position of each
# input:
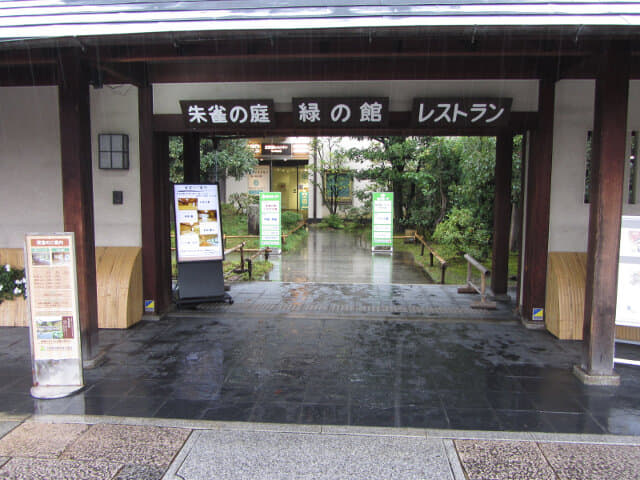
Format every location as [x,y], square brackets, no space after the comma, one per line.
[117,448]
[314,369]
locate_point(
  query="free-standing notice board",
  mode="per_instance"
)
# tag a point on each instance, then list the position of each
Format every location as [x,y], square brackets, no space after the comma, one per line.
[199,243]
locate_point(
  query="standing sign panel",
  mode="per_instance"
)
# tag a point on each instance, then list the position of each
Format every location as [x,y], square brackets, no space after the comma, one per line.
[382,230]
[628,306]
[53,310]
[198,223]
[270,228]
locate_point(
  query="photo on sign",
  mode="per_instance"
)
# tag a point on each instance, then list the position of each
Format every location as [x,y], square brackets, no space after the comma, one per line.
[49,328]
[209,240]
[185,203]
[207,215]
[60,256]
[41,256]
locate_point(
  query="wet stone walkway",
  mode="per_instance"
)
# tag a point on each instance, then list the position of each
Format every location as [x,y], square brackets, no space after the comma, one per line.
[336,371]
[339,257]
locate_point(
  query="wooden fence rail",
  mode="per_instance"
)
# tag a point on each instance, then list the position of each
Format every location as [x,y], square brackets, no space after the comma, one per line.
[432,254]
[473,288]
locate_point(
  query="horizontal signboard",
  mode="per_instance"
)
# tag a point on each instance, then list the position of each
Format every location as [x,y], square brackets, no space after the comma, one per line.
[361,112]
[460,112]
[226,114]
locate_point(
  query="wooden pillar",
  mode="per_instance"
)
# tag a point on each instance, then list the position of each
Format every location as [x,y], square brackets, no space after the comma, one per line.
[77,190]
[502,214]
[155,197]
[538,198]
[607,188]
[191,157]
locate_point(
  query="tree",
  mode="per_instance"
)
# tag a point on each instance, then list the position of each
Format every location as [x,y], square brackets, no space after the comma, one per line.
[218,160]
[331,166]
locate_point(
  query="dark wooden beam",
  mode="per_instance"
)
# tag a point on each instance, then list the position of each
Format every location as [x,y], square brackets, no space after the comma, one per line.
[28,75]
[191,157]
[502,214]
[607,187]
[399,124]
[537,208]
[77,191]
[424,68]
[154,196]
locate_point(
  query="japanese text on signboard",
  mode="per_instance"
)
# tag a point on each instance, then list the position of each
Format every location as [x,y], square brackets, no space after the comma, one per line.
[227,113]
[467,112]
[341,112]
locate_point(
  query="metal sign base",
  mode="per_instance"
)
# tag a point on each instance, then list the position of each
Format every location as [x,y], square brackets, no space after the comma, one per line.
[200,282]
[387,250]
[48,392]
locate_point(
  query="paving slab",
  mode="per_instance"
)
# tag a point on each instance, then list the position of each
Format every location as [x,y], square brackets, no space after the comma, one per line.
[127,444]
[273,456]
[593,462]
[40,439]
[6,427]
[500,460]
[48,469]
[140,472]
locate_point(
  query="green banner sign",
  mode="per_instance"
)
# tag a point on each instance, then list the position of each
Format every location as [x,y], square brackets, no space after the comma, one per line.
[382,228]
[270,227]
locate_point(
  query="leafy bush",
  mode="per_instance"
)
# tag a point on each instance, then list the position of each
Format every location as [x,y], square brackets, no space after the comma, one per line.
[332,221]
[290,220]
[359,215]
[228,210]
[461,232]
[12,283]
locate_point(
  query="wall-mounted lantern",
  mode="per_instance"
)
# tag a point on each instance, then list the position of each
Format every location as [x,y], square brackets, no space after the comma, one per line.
[113,151]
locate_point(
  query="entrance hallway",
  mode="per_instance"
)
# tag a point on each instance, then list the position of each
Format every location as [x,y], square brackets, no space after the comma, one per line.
[336,256]
[284,368]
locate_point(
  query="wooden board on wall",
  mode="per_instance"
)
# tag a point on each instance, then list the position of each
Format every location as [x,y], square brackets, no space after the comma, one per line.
[566,279]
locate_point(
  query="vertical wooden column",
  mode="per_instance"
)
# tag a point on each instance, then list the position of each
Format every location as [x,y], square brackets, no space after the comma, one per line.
[77,190]
[538,199]
[607,187]
[502,214]
[155,197]
[191,157]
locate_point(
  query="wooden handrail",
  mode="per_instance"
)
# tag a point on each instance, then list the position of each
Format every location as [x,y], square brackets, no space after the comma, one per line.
[432,254]
[240,247]
[473,288]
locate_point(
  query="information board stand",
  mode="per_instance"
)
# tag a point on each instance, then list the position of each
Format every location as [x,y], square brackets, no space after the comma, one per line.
[382,222]
[199,245]
[54,325]
[270,222]
[628,303]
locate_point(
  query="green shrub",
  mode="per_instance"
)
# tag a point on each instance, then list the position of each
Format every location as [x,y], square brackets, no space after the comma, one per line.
[332,221]
[241,201]
[12,283]
[359,215]
[461,232]
[290,220]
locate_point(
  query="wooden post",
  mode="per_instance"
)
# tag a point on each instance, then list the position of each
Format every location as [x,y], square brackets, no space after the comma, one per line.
[607,188]
[155,197]
[538,198]
[502,214]
[191,157]
[77,190]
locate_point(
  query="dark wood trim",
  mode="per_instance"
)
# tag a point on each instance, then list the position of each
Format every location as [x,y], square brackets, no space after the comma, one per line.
[154,202]
[399,124]
[502,214]
[77,191]
[191,157]
[538,199]
[607,187]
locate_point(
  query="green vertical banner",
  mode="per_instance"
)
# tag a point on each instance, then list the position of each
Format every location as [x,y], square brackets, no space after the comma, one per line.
[270,229]
[382,228]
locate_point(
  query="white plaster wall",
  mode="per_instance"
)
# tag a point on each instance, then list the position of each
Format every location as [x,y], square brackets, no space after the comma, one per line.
[30,177]
[166,96]
[574,110]
[114,109]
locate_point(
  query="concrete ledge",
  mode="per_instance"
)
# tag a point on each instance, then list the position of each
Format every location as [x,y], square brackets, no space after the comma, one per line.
[612,380]
[529,325]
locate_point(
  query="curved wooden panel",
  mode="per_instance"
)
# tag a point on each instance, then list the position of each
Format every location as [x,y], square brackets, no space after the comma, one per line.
[566,280]
[119,278]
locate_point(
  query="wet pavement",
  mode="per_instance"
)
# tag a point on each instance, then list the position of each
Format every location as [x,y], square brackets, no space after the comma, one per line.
[336,256]
[322,370]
